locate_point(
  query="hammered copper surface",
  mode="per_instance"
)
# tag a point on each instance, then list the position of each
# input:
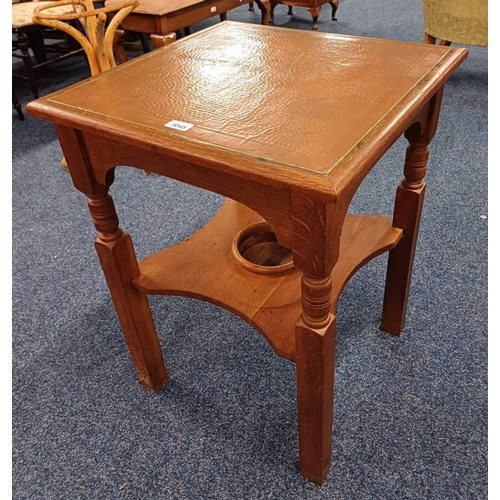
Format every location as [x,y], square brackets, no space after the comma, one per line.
[281,104]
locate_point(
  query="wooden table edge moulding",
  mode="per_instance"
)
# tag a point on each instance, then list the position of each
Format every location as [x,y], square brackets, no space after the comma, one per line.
[288,175]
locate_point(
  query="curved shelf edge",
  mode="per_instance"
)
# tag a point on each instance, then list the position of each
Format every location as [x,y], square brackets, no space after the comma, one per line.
[203,267]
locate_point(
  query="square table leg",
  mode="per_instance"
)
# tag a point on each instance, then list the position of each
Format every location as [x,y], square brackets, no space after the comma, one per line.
[119,263]
[314,363]
[317,232]
[407,212]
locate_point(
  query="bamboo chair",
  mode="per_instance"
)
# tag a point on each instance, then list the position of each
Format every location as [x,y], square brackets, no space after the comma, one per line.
[97,38]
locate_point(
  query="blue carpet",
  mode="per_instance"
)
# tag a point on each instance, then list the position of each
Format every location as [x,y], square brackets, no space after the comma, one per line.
[410,416]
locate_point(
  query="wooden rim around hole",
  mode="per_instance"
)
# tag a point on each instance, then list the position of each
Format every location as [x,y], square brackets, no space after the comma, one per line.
[256,248]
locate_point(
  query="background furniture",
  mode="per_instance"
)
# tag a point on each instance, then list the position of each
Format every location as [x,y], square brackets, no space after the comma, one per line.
[313,6]
[163,19]
[37,46]
[98,36]
[17,105]
[458,21]
[97,41]
[276,161]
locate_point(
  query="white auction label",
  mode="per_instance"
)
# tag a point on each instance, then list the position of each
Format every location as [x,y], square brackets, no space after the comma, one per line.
[177,125]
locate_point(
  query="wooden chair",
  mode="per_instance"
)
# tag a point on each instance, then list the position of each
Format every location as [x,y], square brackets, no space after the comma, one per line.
[97,39]
[461,21]
[37,46]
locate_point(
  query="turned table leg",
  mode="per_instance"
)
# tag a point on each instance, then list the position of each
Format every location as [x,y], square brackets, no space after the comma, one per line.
[119,263]
[316,244]
[315,357]
[407,212]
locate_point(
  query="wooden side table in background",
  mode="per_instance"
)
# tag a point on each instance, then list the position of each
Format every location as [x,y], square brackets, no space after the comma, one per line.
[238,109]
[163,19]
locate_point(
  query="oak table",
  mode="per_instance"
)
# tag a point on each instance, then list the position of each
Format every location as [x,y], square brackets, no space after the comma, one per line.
[239,110]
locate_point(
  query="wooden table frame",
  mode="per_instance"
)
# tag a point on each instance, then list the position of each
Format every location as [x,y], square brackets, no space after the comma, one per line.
[306,208]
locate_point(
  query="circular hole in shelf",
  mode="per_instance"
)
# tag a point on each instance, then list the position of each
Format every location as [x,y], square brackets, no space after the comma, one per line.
[257,249]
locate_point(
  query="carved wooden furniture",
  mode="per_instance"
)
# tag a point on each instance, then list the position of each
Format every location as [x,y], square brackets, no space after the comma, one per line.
[313,6]
[460,21]
[162,19]
[260,125]
[97,41]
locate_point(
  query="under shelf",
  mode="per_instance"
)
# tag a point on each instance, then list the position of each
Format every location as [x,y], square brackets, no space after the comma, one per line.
[203,267]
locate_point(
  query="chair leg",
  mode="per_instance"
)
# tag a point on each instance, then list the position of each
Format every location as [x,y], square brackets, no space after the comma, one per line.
[17,105]
[144,42]
[23,45]
[118,46]
[36,43]
[335,6]
[432,40]
[429,39]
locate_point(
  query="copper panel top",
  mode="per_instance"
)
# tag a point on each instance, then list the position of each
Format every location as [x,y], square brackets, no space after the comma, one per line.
[296,99]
